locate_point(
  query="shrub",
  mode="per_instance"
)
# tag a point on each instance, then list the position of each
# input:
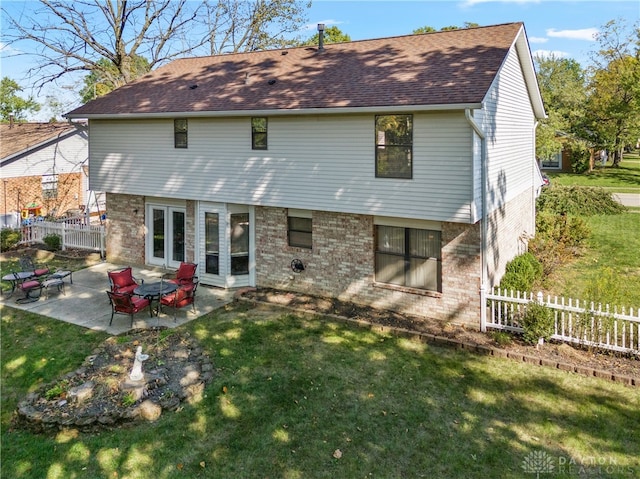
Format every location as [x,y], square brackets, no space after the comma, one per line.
[577,200]
[537,322]
[572,231]
[579,157]
[521,273]
[9,237]
[53,242]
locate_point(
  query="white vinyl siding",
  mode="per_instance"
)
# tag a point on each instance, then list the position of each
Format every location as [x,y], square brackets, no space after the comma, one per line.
[314,162]
[508,122]
[67,156]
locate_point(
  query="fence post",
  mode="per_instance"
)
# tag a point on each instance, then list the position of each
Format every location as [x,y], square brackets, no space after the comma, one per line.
[64,236]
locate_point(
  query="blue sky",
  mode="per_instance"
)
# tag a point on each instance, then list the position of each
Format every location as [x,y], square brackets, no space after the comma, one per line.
[564,28]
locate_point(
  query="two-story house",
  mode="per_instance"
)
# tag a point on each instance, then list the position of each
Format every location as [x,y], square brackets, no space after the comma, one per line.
[399,172]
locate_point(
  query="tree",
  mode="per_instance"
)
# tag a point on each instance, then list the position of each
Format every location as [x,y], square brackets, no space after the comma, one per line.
[244,26]
[331,35]
[100,82]
[108,37]
[614,87]
[428,29]
[12,104]
[562,86]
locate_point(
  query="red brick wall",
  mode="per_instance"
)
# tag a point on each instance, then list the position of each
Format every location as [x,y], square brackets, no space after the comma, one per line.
[19,192]
[125,229]
[341,265]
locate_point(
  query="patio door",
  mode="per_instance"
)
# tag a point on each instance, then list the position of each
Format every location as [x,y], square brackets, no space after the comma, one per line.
[225,244]
[166,235]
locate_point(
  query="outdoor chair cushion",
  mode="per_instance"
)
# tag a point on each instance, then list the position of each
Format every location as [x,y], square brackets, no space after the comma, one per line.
[186,273]
[123,281]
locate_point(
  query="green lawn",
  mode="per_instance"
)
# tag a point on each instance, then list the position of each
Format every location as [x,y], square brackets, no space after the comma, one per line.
[609,271]
[624,179]
[309,397]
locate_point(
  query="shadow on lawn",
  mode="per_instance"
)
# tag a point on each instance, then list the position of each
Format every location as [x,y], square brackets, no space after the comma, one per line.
[309,397]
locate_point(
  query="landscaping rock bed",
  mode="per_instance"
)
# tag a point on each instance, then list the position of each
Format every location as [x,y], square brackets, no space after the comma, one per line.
[100,394]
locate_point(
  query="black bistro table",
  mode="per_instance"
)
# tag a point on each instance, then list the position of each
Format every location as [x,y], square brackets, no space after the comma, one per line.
[155,291]
[15,278]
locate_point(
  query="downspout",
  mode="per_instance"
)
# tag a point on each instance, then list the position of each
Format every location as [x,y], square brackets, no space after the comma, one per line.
[484,225]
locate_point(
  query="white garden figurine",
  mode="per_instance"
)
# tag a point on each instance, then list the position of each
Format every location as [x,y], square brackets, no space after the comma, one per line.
[136,372]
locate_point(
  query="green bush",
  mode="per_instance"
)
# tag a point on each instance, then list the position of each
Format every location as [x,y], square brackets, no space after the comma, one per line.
[570,231]
[53,242]
[521,273]
[579,157]
[9,237]
[577,200]
[537,322]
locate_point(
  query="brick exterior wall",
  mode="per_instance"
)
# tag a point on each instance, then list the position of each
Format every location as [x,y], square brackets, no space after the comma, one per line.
[342,261]
[19,192]
[510,227]
[125,229]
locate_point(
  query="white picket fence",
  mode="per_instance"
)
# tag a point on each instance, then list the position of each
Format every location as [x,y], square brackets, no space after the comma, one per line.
[575,321]
[80,236]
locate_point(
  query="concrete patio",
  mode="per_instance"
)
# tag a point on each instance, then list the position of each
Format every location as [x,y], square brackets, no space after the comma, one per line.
[85,302]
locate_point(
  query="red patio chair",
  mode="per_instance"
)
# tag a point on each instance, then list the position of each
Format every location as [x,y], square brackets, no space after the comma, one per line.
[181,297]
[123,281]
[186,274]
[125,303]
[29,286]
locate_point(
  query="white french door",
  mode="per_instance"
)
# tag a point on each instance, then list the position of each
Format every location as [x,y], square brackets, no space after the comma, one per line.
[165,242]
[225,244]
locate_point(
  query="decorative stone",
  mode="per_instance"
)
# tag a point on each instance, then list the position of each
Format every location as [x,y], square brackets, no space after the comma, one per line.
[148,410]
[80,394]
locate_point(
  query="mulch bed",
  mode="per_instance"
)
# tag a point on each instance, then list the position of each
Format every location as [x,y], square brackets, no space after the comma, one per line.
[606,364]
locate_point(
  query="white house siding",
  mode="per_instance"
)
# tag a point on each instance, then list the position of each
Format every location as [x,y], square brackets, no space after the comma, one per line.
[66,156]
[313,162]
[342,261]
[508,122]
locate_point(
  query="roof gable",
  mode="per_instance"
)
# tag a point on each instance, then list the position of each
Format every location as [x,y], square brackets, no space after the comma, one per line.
[435,69]
[22,137]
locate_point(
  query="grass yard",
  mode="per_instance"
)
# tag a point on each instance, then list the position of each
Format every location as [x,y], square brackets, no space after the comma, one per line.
[309,397]
[624,179]
[609,272]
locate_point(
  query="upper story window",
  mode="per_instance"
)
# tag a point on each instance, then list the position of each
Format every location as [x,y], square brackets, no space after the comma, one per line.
[49,187]
[258,133]
[180,130]
[300,228]
[394,146]
[409,257]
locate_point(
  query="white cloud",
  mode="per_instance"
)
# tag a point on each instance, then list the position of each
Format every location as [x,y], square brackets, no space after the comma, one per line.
[587,34]
[550,53]
[8,50]
[538,40]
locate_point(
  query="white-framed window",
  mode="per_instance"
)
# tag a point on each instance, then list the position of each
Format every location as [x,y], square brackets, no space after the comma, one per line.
[409,257]
[49,187]
[554,162]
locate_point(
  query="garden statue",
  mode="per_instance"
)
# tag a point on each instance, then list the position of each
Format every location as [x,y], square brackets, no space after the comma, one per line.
[136,372]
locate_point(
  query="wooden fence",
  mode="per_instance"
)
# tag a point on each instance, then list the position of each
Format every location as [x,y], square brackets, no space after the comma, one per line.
[575,321]
[72,235]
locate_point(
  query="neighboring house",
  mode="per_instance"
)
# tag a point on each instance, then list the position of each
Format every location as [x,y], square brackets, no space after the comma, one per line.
[42,164]
[399,171]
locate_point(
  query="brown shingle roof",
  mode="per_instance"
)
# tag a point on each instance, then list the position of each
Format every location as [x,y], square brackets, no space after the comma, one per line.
[443,68]
[23,136]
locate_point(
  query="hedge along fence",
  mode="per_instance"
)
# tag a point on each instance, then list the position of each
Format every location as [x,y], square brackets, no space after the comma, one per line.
[574,321]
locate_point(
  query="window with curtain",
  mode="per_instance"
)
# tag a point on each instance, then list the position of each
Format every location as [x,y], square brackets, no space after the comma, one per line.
[394,146]
[409,257]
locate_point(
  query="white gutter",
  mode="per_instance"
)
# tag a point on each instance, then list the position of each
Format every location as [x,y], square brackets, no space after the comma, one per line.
[484,228]
[276,112]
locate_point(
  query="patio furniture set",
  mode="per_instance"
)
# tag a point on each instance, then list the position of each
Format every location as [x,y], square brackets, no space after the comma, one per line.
[32,279]
[129,295]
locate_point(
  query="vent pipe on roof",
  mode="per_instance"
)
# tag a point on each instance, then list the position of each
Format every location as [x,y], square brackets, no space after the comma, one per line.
[10,120]
[320,37]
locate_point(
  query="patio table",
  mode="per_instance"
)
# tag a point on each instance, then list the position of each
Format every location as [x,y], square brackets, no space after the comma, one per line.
[15,278]
[155,291]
